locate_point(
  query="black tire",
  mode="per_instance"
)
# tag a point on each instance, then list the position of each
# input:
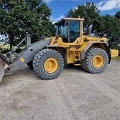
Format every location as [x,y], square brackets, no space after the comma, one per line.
[39,61]
[30,64]
[88,63]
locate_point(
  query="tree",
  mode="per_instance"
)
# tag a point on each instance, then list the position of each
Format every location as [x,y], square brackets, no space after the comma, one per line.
[117,15]
[2,16]
[112,28]
[21,16]
[88,11]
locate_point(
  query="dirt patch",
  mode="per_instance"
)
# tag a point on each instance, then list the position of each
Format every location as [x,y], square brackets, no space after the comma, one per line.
[74,95]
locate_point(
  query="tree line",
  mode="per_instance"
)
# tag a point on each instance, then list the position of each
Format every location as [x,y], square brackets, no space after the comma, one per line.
[20,16]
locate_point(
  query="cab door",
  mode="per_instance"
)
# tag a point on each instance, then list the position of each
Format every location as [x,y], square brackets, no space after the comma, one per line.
[74,32]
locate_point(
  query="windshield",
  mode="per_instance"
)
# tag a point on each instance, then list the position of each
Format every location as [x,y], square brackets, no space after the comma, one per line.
[62,29]
[69,31]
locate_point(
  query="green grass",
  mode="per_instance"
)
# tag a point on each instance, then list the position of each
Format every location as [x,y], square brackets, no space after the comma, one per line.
[117,58]
[6,48]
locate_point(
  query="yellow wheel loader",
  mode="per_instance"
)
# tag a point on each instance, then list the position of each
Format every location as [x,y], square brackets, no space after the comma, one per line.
[48,57]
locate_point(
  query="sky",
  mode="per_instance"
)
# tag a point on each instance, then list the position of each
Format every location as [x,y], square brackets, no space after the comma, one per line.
[61,7]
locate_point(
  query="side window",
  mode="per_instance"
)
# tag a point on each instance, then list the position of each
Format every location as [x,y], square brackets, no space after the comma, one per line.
[64,31]
[74,30]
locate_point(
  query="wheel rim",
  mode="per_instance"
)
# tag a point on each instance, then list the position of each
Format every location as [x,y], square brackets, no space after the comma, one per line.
[98,61]
[51,65]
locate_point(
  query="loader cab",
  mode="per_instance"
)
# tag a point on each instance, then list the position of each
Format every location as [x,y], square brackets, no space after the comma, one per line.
[69,29]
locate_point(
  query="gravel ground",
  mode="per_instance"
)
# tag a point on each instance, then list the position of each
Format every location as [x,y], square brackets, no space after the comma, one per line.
[74,95]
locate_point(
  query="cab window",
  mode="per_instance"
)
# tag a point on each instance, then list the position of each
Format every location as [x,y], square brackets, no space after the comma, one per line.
[74,30]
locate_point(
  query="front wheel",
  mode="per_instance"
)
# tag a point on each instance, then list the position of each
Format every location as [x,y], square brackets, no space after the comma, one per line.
[48,64]
[95,61]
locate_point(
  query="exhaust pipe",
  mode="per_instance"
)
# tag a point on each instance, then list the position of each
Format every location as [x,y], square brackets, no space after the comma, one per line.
[90,29]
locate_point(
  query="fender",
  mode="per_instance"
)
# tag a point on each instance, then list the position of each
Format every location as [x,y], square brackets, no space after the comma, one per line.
[83,53]
[101,45]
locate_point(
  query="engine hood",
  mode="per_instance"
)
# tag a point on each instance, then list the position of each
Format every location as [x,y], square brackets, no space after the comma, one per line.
[87,38]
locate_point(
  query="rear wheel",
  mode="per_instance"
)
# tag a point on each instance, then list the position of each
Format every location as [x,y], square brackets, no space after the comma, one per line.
[48,64]
[95,61]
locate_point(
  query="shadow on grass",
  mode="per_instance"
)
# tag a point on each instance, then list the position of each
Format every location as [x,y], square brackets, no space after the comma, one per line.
[117,58]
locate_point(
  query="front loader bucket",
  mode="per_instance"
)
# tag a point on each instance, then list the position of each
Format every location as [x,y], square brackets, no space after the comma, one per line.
[2,64]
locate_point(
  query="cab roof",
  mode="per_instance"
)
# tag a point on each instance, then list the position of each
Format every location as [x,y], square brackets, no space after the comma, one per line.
[80,19]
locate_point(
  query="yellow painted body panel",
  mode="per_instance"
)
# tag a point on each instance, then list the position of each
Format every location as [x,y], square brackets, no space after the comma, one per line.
[57,41]
[74,50]
[80,41]
[72,55]
[114,53]
[95,39]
